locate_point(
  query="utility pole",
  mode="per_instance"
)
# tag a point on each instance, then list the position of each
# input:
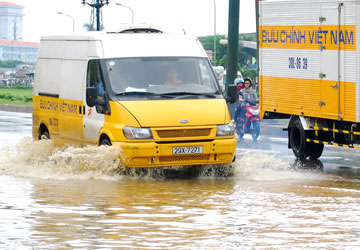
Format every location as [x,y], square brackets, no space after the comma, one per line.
[233,42]
[257,37]
[12,48]
[98,5]
[214,58]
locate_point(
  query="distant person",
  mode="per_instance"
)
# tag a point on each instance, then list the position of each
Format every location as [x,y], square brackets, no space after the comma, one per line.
[172,77]
[247,95]
[239,82]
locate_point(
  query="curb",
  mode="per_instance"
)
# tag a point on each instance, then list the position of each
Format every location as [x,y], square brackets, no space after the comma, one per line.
[13,108]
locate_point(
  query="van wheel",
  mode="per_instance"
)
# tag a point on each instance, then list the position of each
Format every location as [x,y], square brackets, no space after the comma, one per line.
[105,142]
[44,135]
[298,140]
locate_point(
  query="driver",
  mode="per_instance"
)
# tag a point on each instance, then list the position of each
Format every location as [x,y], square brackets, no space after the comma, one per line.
[172,77]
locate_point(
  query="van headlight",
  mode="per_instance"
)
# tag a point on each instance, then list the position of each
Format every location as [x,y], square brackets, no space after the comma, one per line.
[137,133]
[225,130]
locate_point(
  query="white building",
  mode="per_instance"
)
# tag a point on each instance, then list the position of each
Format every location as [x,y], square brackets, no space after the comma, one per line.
[11,21]
[18,51]
[11,46]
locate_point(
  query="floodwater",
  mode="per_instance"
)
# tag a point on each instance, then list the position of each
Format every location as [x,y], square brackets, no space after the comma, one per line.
[81,198]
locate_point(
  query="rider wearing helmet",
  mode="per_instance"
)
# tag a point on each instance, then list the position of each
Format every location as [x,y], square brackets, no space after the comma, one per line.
[247,95]
[239,82]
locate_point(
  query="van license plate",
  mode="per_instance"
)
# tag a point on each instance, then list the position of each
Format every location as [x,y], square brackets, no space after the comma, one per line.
[187,150]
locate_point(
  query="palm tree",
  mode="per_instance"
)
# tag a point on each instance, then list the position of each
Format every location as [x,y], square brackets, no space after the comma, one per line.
[89,27]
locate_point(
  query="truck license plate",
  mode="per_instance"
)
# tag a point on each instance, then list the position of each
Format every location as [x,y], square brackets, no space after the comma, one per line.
[187,150]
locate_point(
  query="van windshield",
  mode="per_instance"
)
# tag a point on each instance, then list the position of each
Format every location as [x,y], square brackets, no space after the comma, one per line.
[164,76]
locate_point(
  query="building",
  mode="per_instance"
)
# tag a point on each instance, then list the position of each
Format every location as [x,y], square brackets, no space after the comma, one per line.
[11,28]
[18,51]
[11,21]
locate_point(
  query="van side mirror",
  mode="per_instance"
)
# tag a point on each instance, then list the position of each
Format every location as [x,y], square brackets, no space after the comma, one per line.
[232,94]
[91,96]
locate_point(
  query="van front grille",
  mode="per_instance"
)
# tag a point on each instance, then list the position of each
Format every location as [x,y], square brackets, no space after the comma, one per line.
[173,158]
[183,133]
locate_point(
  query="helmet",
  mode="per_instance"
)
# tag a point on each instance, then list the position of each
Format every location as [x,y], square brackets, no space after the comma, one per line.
[237,81]
[248,79]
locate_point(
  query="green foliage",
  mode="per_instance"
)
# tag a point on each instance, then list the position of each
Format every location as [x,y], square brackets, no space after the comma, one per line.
[27,99]
[208,44]
[88,27]
[10,63]
[16,95]
[248,37]
[249,73]
[243,53]
[91,26]
[16,87]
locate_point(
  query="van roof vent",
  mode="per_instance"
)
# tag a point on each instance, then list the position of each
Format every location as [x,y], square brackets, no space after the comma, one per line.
[138,29]
[141,30]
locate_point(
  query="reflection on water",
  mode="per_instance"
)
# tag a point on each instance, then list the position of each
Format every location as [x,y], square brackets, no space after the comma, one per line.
[76,198]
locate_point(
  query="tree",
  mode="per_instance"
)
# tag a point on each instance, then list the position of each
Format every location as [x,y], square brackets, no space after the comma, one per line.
[11,63]
[208,44]
[89,26]
[244,54]
[248,73]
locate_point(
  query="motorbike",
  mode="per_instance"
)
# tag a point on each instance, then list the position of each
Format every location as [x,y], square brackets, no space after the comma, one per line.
[250,123]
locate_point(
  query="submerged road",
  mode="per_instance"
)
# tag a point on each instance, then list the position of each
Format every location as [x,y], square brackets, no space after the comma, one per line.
[77,198]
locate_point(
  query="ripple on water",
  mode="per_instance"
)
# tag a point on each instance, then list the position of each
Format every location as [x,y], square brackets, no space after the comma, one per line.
[267,204]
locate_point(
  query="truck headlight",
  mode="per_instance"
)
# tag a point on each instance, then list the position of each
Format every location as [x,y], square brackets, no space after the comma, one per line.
[225,130]
[137,133]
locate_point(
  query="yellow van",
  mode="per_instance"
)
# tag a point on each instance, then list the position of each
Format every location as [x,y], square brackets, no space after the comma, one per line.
[152,93]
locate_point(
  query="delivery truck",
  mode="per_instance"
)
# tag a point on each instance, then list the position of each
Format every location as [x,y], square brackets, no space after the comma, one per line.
[152,93]
[309,71]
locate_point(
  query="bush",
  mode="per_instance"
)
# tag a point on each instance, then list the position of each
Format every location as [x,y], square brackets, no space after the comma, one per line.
[27,99]
[16,87]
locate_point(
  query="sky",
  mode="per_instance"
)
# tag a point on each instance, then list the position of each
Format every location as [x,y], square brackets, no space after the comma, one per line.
[194,16]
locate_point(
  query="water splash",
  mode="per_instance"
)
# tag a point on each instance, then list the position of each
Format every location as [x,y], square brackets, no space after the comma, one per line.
[262,167]
[41,159]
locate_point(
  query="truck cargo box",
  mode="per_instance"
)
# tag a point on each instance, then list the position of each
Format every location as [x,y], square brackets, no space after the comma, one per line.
[308,56]
[309,71]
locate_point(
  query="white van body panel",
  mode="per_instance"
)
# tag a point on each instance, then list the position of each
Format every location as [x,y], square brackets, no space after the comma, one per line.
[60,56]
[122,45]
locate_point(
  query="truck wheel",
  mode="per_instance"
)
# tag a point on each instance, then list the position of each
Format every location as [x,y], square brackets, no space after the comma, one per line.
[315,150]
[298,140]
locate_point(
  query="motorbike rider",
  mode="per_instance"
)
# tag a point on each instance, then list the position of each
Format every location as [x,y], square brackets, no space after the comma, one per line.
[247,95]
[239,82]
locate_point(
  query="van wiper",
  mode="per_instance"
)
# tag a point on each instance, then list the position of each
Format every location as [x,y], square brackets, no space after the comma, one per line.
[211,95]
[141,93]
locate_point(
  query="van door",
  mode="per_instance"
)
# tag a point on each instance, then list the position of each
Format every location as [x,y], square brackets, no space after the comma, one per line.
[70,102]
[94,117]
[331,59]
